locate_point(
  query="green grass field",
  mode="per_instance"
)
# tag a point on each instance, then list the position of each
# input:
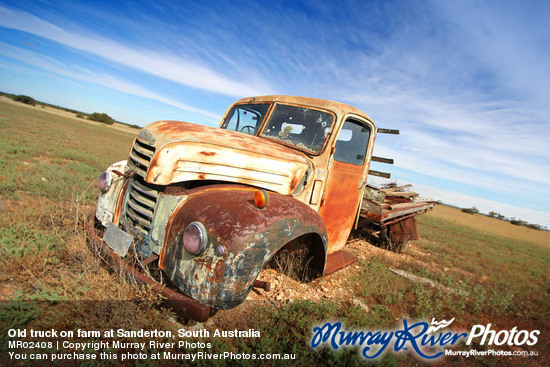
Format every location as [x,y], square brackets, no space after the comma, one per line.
[48,167]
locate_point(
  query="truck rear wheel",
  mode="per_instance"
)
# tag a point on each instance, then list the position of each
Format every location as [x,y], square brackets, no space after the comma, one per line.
[383,239]
[399,247]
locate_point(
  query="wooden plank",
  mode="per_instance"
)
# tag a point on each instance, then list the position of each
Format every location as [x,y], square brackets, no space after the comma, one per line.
[396,188]
[403,205]
[371,206]
[402,194]
[374,194]
[387,131]
[379,174]
[400,211]
[382,160]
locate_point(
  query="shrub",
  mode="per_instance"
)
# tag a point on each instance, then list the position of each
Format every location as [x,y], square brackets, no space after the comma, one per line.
[519,222]
[496,215]
[25,99]
[472,210]
[101,117]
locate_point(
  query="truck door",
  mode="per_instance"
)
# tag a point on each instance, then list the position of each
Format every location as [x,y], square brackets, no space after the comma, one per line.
[343,191]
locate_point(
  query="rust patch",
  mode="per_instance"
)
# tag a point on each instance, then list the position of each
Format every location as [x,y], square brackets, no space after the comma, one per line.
[338,260]
[406,230]
[116,217]
[208,154]
[176,190]
[294,183]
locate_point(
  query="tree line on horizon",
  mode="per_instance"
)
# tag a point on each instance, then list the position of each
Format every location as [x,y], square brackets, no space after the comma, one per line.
[95,116]
[514,221]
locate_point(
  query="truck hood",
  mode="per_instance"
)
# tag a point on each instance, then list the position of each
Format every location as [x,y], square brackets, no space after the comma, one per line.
[168,152]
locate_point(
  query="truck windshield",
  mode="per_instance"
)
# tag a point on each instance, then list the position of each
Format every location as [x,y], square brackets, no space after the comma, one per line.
[304,128]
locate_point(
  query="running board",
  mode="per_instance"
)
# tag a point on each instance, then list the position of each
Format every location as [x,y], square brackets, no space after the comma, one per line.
[338,260]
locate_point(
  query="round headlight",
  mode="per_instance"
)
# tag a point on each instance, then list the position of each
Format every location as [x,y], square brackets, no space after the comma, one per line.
[104,181]
[195,238]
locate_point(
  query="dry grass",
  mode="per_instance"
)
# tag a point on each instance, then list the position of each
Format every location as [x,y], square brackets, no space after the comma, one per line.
[49,162]
[491,225]
[48,166]
[66,115]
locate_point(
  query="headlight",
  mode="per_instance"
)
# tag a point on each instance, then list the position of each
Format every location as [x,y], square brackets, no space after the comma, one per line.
[104,181]
[195,238]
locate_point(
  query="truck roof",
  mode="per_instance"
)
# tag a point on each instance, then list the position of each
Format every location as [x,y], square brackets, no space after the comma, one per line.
[337,107]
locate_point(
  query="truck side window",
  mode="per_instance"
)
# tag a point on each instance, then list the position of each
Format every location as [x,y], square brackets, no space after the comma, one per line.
[245,118]
[351,144]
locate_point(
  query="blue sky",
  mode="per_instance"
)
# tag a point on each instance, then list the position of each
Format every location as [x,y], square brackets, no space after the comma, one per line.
[466,82]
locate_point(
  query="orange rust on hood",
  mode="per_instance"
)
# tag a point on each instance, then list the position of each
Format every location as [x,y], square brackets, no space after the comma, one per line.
[187,152]
[166,132]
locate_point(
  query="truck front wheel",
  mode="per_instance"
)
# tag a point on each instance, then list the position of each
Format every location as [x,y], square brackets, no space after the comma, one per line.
[300,259]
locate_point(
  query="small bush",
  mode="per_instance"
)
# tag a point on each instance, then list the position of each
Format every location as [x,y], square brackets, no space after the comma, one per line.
[472,210]
[519,222]
[101,117]
[25,99]
[497,215]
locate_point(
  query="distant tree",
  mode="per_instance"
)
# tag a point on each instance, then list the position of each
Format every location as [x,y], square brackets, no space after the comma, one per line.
[496,215]
[25,99]
[101,117]
[517,222]
[534,226]
[472,210]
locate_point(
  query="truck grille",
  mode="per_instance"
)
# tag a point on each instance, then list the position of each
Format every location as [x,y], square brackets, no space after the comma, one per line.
[140,156]
[140,206]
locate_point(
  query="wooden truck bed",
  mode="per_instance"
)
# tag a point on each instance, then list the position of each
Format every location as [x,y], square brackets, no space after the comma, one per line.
[392,205]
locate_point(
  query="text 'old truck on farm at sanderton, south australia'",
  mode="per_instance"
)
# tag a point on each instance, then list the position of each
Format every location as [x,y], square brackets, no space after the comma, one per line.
[208,208]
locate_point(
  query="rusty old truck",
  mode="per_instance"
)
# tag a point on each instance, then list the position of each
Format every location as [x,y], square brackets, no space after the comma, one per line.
[208,208]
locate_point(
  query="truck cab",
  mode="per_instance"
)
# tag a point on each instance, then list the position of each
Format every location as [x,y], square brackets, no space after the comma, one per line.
[334,138]
[212,206]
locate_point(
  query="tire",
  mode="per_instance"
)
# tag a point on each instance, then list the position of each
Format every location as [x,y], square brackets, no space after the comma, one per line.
[399,247]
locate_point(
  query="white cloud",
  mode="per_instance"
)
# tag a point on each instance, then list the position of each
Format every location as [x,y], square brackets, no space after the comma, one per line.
[467,83]
[161,64]
[76,72]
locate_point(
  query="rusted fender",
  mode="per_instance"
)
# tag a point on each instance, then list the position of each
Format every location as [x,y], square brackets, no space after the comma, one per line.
[405,230]
[250,237]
